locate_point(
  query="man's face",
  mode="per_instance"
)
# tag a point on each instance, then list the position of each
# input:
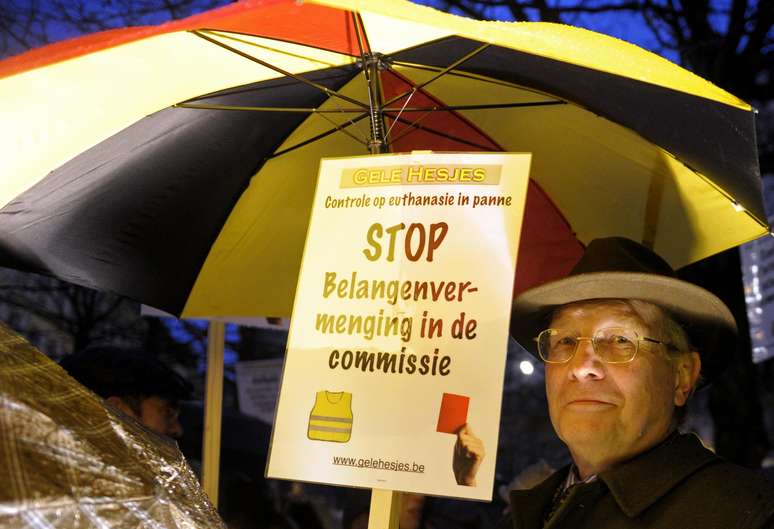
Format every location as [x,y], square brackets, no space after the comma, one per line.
[161,416]
[607,413]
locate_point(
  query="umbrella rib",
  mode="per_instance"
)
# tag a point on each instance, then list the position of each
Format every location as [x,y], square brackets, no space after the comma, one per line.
[466,75]
[362,45]
[362,40]
[342,110]
[443,72]
[416,125]
[452,108]
[227,34]
[279,70]
[318,137]
[411,126]
[269,48]
[344,128]
[243,89]
[269,109]
[399,114]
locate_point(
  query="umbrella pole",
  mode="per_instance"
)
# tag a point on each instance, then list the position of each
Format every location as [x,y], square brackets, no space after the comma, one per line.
[385,504]
[377,143]
[385,509]
[213,409]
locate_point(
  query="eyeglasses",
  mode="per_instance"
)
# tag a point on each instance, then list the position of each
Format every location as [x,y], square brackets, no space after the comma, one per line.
[614,345]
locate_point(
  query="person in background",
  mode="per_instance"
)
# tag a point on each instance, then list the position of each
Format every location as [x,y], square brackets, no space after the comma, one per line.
[133,382]
[625,344]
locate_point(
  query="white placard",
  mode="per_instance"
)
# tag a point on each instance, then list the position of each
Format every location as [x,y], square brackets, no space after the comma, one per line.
[404,295]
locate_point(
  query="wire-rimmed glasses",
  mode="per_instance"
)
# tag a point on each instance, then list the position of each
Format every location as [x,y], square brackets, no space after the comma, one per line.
[612,345]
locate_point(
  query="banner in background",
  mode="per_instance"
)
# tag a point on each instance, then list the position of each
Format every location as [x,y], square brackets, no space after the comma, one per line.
[400,324]
[257,387]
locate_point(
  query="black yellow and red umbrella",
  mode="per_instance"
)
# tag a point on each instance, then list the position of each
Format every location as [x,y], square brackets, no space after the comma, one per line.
[175,164]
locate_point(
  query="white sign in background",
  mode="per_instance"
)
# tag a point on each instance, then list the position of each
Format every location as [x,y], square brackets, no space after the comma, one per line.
[382,229]
[257,387]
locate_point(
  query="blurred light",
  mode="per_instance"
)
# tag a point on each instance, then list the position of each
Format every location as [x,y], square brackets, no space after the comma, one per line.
[526,367]
[737,206]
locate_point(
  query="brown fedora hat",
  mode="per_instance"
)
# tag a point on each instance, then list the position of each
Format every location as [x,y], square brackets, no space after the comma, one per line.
[619,268]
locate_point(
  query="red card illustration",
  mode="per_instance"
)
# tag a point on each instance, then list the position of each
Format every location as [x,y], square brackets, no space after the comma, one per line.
[453,414]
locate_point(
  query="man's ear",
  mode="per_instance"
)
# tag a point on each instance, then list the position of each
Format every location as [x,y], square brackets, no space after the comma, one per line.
[121,404]
[687,369]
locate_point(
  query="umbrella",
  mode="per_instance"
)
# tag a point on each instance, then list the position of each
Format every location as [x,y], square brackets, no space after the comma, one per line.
[69,460]
[175,164]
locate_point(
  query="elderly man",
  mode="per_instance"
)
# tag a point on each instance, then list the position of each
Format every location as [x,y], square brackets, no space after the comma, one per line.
[625,343]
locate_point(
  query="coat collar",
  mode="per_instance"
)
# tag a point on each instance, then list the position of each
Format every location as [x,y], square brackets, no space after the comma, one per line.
[638,483]
[635,485]
[528,506]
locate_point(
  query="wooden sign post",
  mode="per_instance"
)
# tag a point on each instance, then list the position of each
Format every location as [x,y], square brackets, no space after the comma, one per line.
[385,509]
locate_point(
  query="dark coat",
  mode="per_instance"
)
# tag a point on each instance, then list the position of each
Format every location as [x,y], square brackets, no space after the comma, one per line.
[677,485]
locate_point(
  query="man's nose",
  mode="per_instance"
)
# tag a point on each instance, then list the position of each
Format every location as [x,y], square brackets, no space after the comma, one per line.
[586,364]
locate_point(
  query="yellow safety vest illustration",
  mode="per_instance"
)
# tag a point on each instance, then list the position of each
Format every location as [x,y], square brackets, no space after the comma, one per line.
[331,417]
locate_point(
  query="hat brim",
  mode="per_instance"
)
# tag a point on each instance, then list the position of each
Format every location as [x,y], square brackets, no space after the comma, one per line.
[708,322]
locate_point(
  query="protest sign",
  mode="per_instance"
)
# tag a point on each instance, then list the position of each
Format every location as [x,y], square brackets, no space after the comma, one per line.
[400,321]
[257,387]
